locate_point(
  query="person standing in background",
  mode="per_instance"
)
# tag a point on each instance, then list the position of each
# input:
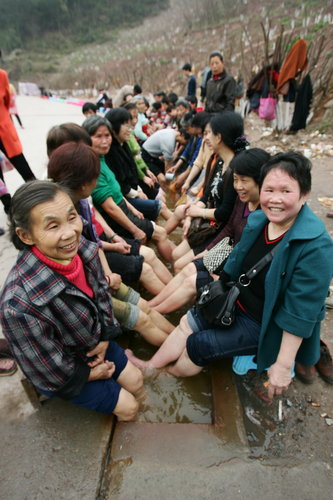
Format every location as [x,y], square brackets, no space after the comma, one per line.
[191,82]
[10,143]
[221,86]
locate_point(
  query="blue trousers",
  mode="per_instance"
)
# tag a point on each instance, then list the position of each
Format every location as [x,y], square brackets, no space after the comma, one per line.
[209,343]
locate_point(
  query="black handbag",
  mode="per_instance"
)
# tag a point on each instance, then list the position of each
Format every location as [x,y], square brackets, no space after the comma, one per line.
[217,301]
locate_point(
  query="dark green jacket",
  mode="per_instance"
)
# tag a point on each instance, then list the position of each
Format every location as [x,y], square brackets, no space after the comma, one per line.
[296,284]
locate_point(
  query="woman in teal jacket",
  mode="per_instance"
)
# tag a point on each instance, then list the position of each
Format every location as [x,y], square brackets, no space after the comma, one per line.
[278,316]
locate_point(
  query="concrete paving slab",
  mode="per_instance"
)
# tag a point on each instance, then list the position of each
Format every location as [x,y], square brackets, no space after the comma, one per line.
[236,479]
[172,444]
[55,452]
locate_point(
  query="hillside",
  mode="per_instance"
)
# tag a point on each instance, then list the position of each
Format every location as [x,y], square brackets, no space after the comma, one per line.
[38,24]
[152,53]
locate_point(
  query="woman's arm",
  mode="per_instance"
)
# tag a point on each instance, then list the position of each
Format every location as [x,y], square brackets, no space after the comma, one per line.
[134,211]
[198,210]
[302,306]
[229,228]
[117,244]
[223,211]
[116,213]
[42,356]
[279,374]
[139,132]
[113,279]
[195,170]
[107,229]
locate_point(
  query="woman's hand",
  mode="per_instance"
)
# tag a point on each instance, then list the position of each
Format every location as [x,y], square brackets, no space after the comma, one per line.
[186,227]
[119,239]
[194,191]
[103,371]
[123,248]
[151,175]
[185,187]
[279,378]
[147,180]
[142,195]
[136,212]
[140,235]
[98,353]
[194,211]
[114,281]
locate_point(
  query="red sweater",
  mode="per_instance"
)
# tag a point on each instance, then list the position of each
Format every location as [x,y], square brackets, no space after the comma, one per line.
[74,271]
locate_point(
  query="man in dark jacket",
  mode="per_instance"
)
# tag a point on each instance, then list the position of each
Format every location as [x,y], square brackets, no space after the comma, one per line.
[220,90]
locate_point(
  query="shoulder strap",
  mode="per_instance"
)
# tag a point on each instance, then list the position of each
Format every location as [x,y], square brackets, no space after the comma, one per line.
[245,279]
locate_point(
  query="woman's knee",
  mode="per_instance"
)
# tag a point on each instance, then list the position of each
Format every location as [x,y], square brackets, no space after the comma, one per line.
[147,253]
[183,324]
[178,265]
[159,233]
[180,212]
[189,270]
[189,283]
[131,378]
[127,407]
[143,305]
[147,271]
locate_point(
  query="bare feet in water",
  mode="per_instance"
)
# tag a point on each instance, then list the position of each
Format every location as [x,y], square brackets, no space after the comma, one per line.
[140,363]
[147,369]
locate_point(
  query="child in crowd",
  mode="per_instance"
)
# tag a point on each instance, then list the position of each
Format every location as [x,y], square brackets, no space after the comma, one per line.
[89,109]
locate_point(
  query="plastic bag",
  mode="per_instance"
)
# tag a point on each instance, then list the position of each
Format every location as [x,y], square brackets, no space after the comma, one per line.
[267,108]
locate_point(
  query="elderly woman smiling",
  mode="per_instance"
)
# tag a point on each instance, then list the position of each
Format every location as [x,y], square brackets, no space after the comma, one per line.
[56,311]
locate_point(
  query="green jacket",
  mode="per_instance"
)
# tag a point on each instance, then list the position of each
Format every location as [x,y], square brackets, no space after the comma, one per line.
[296,284]
[141,166]
[107,185]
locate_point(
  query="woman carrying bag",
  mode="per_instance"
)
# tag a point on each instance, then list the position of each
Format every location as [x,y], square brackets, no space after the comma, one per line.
[278,315]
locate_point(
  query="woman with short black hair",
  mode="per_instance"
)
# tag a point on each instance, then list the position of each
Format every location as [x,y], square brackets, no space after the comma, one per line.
[278,313]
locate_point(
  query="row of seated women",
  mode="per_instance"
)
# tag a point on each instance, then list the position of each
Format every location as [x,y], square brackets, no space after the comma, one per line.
[56,307]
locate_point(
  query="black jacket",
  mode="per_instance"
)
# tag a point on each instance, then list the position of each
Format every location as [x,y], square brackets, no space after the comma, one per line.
[220,94]
[120,160]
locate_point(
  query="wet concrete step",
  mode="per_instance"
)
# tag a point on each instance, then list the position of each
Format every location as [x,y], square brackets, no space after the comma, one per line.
[227,408]
[140,448]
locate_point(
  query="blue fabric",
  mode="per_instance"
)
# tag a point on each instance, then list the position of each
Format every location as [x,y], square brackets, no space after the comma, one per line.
[102,395]
[149,208]
[191,85]
[242,364]
[191,150]
[207,344]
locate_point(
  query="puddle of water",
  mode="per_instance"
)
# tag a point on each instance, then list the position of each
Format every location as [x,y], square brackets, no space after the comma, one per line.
[170,399]
[174,400]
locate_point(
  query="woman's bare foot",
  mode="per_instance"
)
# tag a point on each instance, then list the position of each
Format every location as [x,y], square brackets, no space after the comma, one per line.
[139,363]
[148,370]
